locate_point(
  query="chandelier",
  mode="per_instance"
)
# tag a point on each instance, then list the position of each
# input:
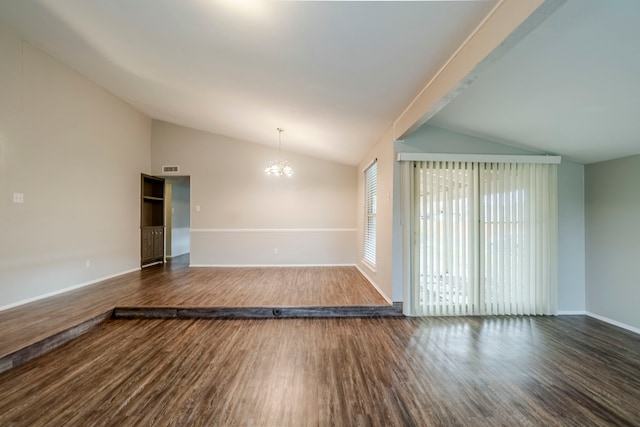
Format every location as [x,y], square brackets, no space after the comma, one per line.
[279,167]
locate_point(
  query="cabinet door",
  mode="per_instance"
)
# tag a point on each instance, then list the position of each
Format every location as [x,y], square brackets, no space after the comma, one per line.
[147,244]
[158,244]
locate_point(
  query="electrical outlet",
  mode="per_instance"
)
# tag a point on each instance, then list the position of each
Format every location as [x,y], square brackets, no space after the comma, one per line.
[275,250]
[87,263]
[18,197]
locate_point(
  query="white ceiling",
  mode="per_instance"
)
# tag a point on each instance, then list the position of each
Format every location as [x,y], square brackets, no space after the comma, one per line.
[334,75]
[570,87]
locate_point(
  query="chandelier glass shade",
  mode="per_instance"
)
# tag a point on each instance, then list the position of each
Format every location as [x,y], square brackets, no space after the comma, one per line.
[279,167]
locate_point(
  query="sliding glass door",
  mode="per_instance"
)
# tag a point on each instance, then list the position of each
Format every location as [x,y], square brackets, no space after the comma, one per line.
[484,238]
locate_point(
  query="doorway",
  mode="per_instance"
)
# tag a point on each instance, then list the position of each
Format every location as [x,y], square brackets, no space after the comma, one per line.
[178,216]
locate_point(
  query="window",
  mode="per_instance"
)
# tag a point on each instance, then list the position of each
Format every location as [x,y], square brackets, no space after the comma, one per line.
[370,209]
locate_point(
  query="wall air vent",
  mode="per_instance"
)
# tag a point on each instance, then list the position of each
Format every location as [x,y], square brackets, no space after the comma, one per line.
[171,169]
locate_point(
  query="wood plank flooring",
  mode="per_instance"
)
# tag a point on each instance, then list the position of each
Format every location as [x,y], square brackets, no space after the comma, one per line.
[177,285]
[562,371]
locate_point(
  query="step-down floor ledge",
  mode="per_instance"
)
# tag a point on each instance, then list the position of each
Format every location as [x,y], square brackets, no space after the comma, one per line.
[394,310]
[51,342]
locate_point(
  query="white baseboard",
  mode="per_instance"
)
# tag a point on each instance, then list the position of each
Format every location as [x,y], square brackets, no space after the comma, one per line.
[614,322]
[61,291]
[571,313]
[270,265]
[373,283]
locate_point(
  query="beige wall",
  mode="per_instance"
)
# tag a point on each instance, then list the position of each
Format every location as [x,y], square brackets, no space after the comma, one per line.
[76,152]
[246,216]
[613,240]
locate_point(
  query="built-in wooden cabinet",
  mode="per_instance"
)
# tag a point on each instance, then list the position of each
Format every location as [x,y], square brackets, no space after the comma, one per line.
[152,220]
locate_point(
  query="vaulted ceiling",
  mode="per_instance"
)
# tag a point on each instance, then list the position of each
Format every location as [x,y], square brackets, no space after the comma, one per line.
[334,75]
[570,86]
[337,75]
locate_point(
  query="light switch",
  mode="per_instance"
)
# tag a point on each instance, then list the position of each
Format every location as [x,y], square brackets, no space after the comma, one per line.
[197,208]
[18,197]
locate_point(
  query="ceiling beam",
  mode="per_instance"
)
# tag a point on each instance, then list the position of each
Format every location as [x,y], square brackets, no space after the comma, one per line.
[503,28]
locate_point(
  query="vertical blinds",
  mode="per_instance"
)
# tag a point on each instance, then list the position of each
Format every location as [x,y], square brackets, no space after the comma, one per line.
[485,238]
[445,264]
[370,210]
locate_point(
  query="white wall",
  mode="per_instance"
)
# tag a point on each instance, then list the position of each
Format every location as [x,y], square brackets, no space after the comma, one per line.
[571,239]
[613,240]
[76,152]
[245,215]
[571,258]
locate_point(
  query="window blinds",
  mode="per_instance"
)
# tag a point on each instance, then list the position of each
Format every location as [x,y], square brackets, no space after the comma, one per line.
[370,210]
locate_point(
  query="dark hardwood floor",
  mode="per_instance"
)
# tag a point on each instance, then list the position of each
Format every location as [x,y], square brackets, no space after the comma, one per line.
[570,370]
[543,371]
[177,285]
